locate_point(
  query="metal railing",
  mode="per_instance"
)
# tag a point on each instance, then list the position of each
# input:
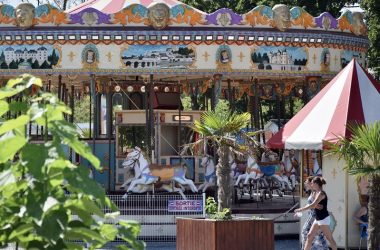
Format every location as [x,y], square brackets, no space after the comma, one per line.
[157,213]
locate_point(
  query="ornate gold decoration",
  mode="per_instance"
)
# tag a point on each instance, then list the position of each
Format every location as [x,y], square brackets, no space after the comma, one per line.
[335,59]
[206,55]
[71,55]
[241,56]
[109,56]
[314,58]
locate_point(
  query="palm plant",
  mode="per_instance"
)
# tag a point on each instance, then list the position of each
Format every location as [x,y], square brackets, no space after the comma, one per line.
[220,129]
[362,155]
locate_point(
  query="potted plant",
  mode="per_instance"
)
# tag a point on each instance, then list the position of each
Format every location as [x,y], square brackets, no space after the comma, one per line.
[221,230]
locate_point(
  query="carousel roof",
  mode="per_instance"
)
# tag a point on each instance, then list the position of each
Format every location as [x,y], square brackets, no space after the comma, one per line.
[114,6]
[352,96]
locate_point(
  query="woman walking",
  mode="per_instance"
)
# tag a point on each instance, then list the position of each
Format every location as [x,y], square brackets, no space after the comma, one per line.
[319,241]
[322,217]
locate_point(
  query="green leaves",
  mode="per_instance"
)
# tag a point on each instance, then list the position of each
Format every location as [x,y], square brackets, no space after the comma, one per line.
[34,210]
[4,107]
[362,151]
[10,144]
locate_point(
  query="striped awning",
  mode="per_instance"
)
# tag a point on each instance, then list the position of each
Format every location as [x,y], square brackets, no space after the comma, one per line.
[352,96]
[113,6]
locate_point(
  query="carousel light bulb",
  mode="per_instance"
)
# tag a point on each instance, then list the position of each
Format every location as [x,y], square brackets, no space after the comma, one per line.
[166,89]
[142,89]
[155,88]
[300,91]
[130,89]
[117,88]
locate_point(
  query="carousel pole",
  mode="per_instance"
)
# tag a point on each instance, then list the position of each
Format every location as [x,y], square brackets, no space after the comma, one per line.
[261,118]
[291,106]
[278,111]
[179,123]
[217,88]
[151,119]
[233,105]
[305,97]
[213,97]
[71,118]
[146,102]
[229,93]
[92,89]
[60,87]
[109,131]
[256,108]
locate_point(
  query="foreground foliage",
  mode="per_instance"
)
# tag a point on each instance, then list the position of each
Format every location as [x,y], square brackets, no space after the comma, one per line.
[362,155]
[35,210]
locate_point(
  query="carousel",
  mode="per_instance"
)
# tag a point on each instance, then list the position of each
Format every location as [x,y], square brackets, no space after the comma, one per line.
[136,60]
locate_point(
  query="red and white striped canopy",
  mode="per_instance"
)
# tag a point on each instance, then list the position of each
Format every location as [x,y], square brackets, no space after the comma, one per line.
[352,96]
[113,6]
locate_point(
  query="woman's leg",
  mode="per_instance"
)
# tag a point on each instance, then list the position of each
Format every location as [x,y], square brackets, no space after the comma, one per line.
[310,236]
[326,231]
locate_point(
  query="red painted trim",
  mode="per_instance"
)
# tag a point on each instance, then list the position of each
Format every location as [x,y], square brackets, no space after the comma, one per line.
[278,140]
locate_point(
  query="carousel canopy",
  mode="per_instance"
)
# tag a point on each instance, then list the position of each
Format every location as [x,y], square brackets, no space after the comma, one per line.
[352,96]
[113,6]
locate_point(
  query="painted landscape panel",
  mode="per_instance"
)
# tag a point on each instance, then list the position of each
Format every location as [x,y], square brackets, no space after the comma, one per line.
[158,56]
[28,57]
[279,58]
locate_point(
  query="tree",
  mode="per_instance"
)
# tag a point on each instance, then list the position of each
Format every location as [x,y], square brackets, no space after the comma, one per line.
[45,65]
[35,65]
[372,10]
[2,57]
[219,127]
[82,109]
[53,58]
[362,155]
[13,65]
[35,211]
[4,65]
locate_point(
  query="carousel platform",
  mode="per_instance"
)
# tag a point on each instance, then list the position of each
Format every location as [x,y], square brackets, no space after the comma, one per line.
[276,204]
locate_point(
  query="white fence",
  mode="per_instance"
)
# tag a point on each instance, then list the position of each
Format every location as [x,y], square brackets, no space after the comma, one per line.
[157,213]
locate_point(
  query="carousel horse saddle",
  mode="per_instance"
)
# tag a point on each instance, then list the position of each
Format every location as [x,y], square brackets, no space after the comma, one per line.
[268,168]
[165,173]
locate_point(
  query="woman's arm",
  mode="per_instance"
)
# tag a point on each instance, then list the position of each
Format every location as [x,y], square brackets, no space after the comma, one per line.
[315,204]
[359,213]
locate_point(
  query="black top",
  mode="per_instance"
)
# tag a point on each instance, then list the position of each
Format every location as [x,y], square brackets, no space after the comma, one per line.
[320,214]
[364,217]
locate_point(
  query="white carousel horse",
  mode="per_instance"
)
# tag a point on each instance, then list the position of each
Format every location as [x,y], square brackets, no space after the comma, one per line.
[283,180]
[210,173]
[290,163]
[146,174]
[281,177]
[317,170]
[251,172]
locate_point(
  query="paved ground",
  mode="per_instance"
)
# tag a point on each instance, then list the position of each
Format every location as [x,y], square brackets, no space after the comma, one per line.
[279,245]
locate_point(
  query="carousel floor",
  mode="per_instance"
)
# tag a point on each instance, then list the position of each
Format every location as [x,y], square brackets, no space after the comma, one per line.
[275,205]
